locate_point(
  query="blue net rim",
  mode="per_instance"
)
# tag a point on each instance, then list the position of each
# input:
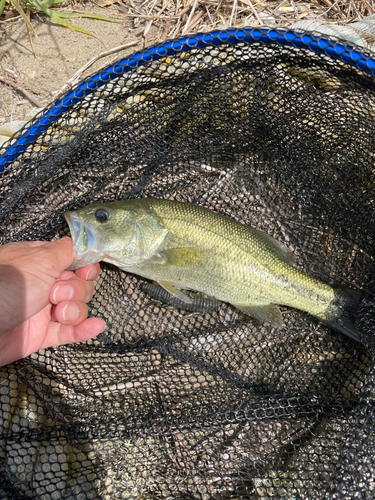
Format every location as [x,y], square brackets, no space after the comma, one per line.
[321,44]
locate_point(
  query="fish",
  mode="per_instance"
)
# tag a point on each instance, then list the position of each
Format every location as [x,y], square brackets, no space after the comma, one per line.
[182,246]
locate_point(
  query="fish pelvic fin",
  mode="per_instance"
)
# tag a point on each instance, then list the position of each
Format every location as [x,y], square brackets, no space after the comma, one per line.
[265,313]
[341,315]
[175,292]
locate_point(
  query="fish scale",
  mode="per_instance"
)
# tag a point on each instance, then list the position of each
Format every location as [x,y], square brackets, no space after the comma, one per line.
[241,265]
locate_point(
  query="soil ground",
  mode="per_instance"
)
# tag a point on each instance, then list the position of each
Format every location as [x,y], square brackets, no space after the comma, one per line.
[59,54]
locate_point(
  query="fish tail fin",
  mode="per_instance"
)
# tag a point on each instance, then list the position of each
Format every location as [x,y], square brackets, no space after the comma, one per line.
[343,311]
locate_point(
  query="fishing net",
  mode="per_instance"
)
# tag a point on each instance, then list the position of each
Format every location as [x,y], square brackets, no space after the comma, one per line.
[276,130]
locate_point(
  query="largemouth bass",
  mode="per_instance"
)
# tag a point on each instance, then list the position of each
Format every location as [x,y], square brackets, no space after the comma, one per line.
[184,246]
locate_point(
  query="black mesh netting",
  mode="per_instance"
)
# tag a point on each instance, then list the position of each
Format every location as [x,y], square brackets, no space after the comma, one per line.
[212,406]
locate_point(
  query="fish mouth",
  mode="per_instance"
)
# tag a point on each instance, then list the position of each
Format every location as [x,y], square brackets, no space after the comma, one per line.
[85,241]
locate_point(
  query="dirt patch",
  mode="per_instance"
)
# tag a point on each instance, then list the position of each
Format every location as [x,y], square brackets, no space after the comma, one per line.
[59,54]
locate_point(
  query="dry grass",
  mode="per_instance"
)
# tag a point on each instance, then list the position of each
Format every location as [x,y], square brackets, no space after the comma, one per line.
[181,17]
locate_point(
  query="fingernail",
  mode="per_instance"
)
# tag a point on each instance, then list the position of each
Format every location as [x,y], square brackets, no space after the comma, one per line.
[70,312]
[62,292]
[91,273]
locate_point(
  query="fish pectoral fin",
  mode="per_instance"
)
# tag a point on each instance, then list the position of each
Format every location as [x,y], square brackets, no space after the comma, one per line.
[176,292]
[264,313]
[181,257]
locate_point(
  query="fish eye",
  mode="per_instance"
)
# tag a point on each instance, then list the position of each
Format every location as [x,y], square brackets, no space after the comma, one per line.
[102,215]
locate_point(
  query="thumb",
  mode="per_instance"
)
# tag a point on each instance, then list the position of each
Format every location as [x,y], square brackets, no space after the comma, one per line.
[61,252]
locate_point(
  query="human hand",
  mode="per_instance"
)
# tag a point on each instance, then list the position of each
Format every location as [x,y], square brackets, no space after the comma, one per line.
[41,303]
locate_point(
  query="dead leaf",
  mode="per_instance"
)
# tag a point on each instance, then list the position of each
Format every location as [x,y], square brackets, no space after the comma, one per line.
[105,3]
[9,14]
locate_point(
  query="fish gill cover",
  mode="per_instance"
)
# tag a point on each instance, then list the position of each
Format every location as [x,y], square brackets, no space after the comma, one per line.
[276,130]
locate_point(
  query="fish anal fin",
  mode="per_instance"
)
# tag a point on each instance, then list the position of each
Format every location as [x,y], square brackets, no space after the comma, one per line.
[265,313]
[176,292]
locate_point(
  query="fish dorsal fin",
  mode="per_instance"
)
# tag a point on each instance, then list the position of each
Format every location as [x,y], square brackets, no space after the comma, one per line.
[264,313]
[282,251]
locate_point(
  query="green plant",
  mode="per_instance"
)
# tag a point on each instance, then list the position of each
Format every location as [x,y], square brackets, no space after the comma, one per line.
[27,7]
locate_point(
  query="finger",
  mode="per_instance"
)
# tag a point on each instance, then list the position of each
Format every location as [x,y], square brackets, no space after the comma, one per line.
[36,243]
[88,329]
[62,252]
[59,334]
[90,272]
[71,289]
[70,312]
[66,275]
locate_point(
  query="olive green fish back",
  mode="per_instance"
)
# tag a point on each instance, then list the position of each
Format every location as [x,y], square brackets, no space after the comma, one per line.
[276,133]
[245,237]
